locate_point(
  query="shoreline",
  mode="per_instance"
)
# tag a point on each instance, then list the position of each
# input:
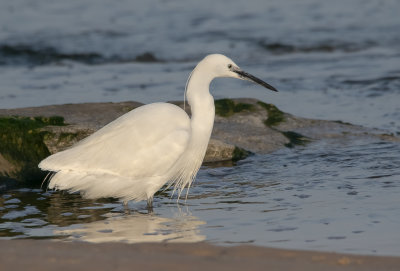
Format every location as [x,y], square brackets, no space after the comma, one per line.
[49,255]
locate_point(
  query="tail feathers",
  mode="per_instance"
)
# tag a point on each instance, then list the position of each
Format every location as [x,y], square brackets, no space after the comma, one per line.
[57,162]
[99,185]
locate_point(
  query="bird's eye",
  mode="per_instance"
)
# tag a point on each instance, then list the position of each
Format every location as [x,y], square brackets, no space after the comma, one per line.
[229,66]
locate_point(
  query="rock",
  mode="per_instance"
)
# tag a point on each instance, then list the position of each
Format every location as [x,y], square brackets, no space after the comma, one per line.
[242,127]
[86,115]
[218,151]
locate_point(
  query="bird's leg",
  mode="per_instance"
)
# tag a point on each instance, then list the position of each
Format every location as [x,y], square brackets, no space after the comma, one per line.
[150,204]
[127,211]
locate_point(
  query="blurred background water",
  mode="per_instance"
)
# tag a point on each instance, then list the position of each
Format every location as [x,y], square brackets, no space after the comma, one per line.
[332,60]
[336,60]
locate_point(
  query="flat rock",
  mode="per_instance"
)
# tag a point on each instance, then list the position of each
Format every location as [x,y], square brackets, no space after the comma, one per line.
[242,126]
[90,116]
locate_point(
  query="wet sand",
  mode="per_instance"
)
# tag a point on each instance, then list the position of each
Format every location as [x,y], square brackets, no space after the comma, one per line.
[51,255]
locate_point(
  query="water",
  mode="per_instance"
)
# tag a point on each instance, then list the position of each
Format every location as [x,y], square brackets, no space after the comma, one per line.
[330,60]
[329,196]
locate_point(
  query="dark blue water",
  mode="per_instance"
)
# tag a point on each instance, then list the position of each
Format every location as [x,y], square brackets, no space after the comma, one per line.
[335,60]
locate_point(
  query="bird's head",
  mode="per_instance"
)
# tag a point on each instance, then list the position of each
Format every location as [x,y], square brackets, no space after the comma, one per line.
[224,67]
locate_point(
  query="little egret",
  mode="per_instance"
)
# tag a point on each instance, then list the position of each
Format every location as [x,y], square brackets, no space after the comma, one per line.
[132,157]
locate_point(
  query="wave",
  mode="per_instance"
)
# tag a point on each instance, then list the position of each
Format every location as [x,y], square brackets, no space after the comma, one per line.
[23,54]
[327,46]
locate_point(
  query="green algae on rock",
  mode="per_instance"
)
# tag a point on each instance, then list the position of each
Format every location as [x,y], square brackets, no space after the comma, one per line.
[219,151]
[275,116]
[228,107]
[239,154]
[295,139]
[22,144]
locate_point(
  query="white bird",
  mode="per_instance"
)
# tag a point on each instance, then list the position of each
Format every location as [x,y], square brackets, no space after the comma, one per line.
[132,157]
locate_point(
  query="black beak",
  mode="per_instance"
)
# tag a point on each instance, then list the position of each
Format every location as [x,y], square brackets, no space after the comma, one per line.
[249,77]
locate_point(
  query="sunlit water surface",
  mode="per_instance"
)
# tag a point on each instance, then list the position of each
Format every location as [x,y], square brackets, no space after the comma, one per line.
[330,195]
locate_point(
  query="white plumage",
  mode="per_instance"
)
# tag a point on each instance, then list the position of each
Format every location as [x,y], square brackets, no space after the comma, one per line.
[132,157]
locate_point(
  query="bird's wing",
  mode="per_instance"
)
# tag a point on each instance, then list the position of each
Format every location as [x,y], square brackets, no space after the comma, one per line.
[144,142]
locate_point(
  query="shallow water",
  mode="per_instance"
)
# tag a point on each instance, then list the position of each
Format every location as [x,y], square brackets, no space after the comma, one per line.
[335,60]
[329,196]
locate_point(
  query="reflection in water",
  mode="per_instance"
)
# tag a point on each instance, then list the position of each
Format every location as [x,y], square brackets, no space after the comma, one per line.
[137,228]
[33,213]
[65,209]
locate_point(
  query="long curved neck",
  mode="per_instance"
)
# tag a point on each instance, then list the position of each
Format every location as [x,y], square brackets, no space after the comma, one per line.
[200,100]
[202,121]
